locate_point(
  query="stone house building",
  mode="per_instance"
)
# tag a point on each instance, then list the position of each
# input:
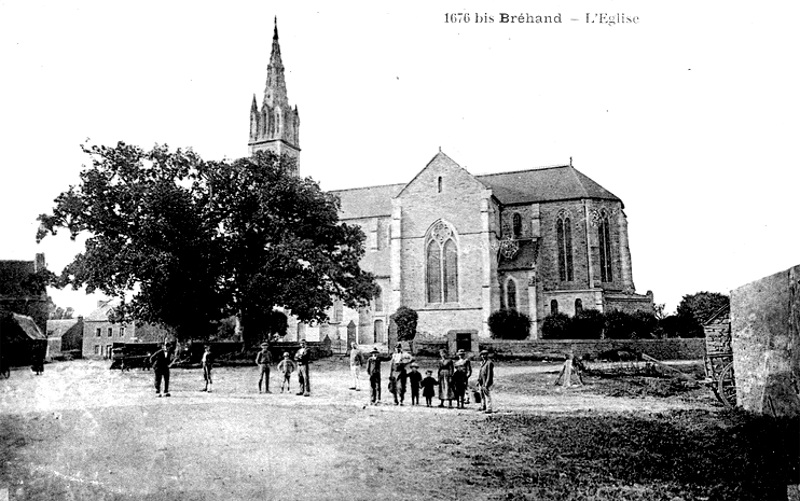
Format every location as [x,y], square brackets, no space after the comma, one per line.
[456,246]
[100,334]
[64,337]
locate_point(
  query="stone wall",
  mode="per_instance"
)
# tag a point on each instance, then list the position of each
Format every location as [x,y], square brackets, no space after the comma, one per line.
[661,349]
[765,326]
[718,333]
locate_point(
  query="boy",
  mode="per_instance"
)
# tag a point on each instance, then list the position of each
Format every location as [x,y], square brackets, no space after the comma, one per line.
[374,373]
[264,359]
[414,378]
[286,367]
[428,387]
[206,363]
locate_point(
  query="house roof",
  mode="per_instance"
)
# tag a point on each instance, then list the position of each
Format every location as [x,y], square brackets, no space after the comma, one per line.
[28,326]
[101,313]
[57,328]
[548,184]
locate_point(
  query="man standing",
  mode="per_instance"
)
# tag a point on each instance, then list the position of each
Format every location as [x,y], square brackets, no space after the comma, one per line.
[161,362]
[264,359]
[485,382]
[303,358]
[356,362]
[374,373]
[397,374]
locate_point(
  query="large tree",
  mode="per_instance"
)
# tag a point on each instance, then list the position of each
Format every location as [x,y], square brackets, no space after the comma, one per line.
[695,309]
[284,244]
[183,242]
[150,241]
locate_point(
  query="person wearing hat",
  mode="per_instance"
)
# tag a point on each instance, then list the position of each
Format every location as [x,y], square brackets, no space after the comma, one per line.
[428,387]
[374,373]
[414,379]
[462,363]
[286,367]
[303,359]
[264,359]
[485,382]
[161,361]
[397,374]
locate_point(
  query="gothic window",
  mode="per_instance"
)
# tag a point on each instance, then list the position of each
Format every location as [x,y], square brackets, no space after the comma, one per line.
[578,306]
[439,185]
[511,294]
[604,244]
[441,265]
[379,300]
[564,243]
[554,307]
[517,225]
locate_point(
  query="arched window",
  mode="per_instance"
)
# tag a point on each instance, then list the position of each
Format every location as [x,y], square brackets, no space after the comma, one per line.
[439,185]
[578,306]
[564,243]
[511,294]
[516,225]
[338,311]
[379,300]
[301,330]
[604,244]
[553,307]
[378,335]
[441,265]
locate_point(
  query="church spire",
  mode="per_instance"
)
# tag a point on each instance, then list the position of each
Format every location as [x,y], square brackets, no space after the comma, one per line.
[276,126]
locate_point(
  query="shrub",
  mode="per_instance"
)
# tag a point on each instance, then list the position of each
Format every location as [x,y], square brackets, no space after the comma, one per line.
[509,324]
[556,326]
[405,319]
[587,324]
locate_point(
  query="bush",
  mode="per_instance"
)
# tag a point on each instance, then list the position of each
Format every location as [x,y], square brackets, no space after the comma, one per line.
[509,324]
[405,319]
[587,324]
[556,326]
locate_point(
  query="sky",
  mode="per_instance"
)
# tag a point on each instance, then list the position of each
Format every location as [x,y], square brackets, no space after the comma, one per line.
[690,115]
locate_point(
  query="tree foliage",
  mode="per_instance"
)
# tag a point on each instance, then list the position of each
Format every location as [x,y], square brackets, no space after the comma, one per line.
[593,324]
[695,309]
[405,319]
[509,324]
[183,242]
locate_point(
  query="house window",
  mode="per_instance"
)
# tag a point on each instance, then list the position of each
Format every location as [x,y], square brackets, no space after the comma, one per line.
[122,332]
[564,245]
[98,332]
[379,300]
[578,306]
[110,331]
[516,225]
[441,265]
[97,350]
[604,244]
[108,351]
[378,334]
[511,294]
[554,307]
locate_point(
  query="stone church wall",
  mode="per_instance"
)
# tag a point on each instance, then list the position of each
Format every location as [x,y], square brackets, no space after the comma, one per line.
[548,253]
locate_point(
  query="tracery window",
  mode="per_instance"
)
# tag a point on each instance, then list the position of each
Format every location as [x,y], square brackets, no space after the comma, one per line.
[441,265]
[564,243]
[604,244]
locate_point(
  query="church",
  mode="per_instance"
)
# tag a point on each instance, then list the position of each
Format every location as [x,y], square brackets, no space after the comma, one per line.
[456,246]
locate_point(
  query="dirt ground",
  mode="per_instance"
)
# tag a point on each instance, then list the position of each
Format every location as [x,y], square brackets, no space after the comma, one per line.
[82,431]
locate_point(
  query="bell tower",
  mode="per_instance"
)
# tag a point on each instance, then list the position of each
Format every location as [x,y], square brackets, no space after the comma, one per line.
[276,126]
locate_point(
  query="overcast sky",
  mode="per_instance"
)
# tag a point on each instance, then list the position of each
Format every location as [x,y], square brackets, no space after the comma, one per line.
[689,116]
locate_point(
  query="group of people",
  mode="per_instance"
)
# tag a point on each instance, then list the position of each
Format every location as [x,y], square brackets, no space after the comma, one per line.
[452,382]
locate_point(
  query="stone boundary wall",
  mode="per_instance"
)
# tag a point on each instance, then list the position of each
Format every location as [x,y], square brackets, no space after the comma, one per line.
[661,349]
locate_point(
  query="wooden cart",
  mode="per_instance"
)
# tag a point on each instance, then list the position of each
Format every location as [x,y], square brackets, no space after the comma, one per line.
[720,377]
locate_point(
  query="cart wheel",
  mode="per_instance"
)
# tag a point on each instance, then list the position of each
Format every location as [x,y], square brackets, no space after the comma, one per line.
[726,387]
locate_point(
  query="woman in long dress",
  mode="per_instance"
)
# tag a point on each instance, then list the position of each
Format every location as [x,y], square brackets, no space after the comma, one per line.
[445,374]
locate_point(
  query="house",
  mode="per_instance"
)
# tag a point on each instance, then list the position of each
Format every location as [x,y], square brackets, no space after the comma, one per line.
[100,334]
[64,338]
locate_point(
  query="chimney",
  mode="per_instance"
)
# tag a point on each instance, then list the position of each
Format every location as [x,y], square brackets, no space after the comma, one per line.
[39,264]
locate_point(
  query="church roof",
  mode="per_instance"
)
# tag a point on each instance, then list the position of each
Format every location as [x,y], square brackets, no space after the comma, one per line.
[371,201]
[544,185]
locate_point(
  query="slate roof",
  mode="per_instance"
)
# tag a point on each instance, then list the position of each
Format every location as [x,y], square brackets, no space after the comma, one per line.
[547,184]
[29,327]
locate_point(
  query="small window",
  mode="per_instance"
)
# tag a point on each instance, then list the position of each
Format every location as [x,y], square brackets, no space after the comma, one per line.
[511,294]
[516,224]
[578,306]
[379,300]
[97,349]
[122,332]
[99,332]
[108,351]
[110,331]
[439,184]
[553,307]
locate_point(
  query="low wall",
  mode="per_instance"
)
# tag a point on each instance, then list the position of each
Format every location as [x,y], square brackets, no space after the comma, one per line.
[661,349]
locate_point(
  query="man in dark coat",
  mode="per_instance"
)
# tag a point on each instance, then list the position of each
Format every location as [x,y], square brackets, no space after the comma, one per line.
[374,373]
[303,359]
[161,361]
[486,381]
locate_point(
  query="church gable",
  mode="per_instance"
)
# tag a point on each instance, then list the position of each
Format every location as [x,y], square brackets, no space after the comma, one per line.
[442,175]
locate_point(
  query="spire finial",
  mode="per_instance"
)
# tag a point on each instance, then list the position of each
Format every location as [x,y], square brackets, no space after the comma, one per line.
[275,35]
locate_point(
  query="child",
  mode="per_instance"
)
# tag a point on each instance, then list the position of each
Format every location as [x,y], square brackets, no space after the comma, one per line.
[286,367]
[428,387]
[207,362]
[414,378]
[374,373]
[459,386]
